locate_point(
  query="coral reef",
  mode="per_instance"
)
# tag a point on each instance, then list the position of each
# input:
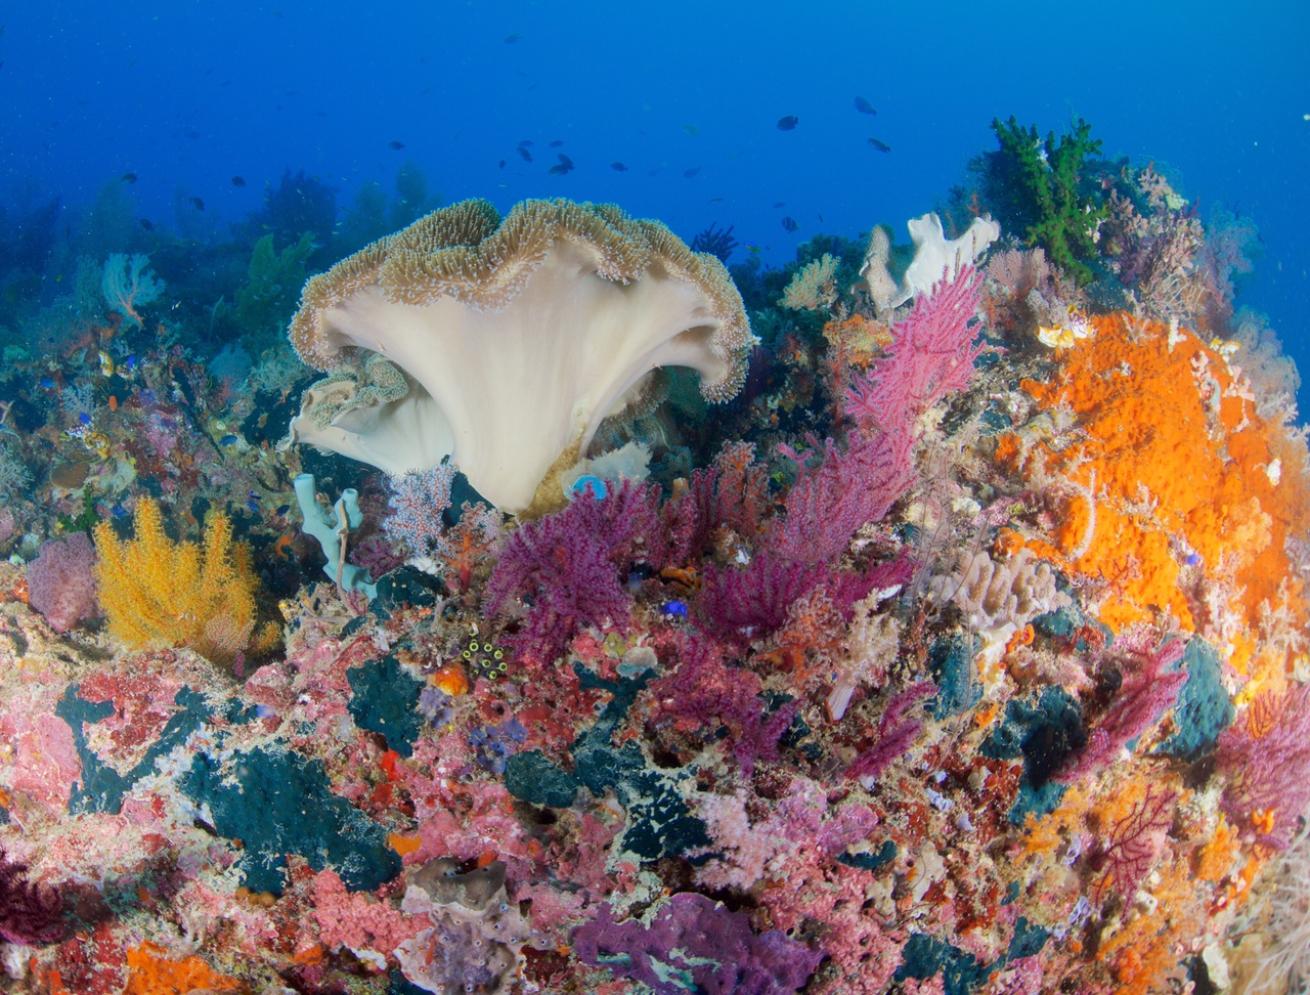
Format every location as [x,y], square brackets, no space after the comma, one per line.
[964,650]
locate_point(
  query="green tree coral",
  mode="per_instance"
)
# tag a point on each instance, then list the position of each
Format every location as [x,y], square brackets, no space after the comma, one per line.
[1060,218]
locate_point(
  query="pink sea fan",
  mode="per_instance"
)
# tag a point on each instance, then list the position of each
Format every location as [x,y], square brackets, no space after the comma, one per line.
[849,487]
[895,733]
[1269,774]
[931,355]
[1148,689]
[61,581]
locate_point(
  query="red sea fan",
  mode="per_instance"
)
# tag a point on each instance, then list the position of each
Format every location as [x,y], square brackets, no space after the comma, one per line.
[29,914]
[1134,843]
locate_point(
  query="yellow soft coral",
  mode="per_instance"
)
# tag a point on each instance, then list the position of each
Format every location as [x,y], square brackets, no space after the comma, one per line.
[156,592]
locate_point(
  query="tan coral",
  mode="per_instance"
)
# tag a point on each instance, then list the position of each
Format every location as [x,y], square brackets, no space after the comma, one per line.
[516,338]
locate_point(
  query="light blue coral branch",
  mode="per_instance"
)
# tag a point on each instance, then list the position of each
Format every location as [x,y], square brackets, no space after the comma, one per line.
[332,530]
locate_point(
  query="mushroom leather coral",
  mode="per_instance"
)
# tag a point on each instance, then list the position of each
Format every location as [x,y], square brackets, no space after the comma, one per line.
[156,592]
[508,341]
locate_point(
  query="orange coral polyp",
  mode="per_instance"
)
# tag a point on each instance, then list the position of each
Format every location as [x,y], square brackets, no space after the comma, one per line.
[1178,453]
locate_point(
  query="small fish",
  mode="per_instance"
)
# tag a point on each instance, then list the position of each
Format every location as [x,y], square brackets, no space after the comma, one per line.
[128,177]
[227,440]
[502,164]
[788,123]
[147,224]
[118,511]
[691,173]
[779,203]
[238,181]
[525,154]
[282,509]
[880,146]
[526,142]
[557,143]
[675,609]
[84,419]
[789,223]
[512,39]
[564,165]
[191,133]
[864,107]
[395,145]
[691,129]
[252,505]
[47,382]
[106,364]
[618,167]
[129,364]
[197,203]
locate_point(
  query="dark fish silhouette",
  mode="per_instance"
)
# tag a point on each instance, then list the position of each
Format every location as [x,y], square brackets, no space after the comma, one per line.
[128,177]
[197,203]
[395,145]
[502,164]
[557,143]
[788,123]
[864,107]
[238,181]
[779,203]
[618,167]
[147,224]
[512,39]
[527,156]
[880,146]
[526,141]
[564,165]
[789,223]
[690,173]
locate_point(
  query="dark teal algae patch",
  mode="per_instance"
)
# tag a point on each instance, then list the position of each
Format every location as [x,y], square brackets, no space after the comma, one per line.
[277,802]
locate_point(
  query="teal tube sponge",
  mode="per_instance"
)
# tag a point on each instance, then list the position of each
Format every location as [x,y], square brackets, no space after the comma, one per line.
[331,529]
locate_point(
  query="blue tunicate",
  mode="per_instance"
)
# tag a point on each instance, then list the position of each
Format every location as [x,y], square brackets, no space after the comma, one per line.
[589,482]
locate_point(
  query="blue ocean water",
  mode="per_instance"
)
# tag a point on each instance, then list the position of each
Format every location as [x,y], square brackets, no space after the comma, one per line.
[686,96]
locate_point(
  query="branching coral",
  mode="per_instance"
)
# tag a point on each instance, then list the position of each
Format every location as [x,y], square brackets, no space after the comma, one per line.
[516,338]
[1061,217]
[156,592]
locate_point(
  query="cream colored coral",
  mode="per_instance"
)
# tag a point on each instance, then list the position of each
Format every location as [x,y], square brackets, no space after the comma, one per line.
[993,595]
[813,287]
[516,337]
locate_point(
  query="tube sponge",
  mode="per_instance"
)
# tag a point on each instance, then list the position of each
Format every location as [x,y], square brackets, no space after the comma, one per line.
[508,341]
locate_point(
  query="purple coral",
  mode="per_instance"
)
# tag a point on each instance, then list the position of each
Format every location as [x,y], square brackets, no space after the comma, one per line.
[697,944]
[1146,692]
[61,581]
[29,914]
[895,733]
[1269,774]
[570,566]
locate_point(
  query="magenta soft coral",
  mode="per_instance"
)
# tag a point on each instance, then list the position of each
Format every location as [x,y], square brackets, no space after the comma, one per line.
[570,567]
